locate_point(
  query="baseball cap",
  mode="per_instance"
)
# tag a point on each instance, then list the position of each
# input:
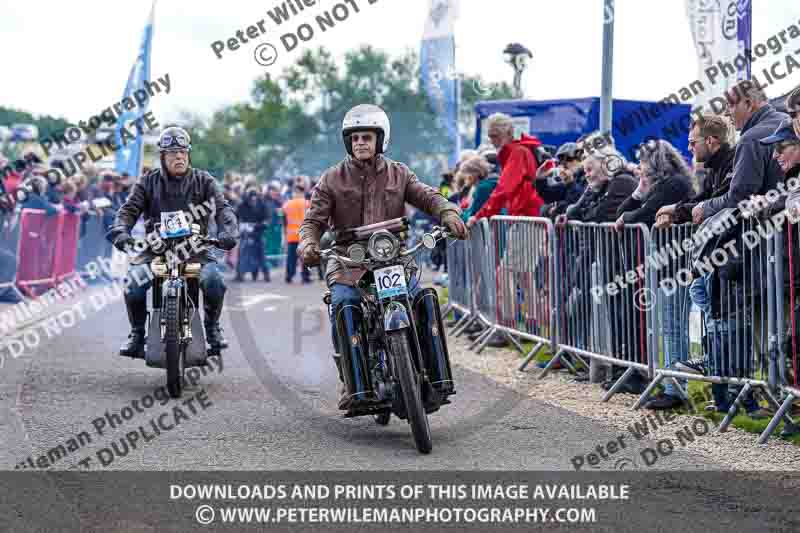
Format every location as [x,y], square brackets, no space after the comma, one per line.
[785,132]
[569,150]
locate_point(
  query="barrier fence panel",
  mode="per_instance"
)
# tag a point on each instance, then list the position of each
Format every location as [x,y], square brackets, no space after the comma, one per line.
[785,326]
[619,260]
[66,244]
[36,250]
[482,282]
[523,251]
[459,294]
[729,283]
[9,242]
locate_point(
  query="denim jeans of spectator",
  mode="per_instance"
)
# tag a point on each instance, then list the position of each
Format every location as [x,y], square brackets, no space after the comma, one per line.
[347,295]
[674,323]
[721,336]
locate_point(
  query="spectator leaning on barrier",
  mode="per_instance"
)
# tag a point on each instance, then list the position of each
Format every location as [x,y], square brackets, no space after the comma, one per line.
[563,185]
[708,142]
[514,191]
[754,170]
[786,143]
[605,190]
[665,179]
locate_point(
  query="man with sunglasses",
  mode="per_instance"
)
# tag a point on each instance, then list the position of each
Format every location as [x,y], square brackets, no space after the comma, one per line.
[754,170]
[365,188]
[174,187]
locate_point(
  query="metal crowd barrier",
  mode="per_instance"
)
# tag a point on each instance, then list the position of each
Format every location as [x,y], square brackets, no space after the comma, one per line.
[9,242]
[459,275]
[91,245]
[602,278]
[785,326]
[734,287]
[524,266]
[481,284]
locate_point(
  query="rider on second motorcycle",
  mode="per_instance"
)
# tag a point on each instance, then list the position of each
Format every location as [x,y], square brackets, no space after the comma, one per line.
[365,188]
[173,187]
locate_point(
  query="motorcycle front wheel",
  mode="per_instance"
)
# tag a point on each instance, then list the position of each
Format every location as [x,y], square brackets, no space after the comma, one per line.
[412,393]
[172,346]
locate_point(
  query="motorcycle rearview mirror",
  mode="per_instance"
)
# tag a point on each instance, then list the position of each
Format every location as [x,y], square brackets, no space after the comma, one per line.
[429,241]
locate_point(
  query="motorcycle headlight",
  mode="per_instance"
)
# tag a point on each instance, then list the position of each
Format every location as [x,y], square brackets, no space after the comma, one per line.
[383,246]
[357,253]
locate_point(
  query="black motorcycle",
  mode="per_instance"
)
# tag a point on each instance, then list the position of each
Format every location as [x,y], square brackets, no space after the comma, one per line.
[391,349]
[175,335]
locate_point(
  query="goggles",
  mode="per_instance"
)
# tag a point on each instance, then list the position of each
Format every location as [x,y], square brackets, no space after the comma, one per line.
[173,142]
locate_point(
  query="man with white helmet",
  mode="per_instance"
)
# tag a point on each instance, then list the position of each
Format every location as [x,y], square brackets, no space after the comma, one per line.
[365,188]
[175,186]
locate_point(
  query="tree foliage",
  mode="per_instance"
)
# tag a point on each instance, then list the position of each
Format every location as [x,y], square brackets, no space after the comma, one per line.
[292,125]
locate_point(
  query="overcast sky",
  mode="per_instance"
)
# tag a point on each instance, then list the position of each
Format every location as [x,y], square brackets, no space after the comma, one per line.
[72,58]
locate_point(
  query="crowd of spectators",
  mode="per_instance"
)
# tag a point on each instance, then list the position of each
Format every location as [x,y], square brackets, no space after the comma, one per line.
[590,180]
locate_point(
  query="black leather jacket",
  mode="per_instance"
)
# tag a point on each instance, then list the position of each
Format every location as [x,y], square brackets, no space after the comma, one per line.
[197,193]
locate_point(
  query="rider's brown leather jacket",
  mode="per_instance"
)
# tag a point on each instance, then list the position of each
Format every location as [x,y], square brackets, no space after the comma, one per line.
[355,193]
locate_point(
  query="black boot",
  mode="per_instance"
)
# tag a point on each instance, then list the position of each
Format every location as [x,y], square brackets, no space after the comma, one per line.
[137,316]
[214,336]
[351,337]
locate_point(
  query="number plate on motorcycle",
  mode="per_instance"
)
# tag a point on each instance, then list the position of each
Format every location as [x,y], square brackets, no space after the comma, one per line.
[174,224]
[391,281]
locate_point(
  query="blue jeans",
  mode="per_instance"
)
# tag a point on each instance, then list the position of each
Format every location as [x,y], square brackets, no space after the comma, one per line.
[211,283]
[675,344]
[347,295]
[700,293]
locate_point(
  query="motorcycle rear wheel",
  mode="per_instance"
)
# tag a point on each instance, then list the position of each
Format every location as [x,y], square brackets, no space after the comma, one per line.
[172,346]
[412,394]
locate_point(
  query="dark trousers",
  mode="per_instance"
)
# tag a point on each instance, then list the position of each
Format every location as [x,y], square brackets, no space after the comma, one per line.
[291,263]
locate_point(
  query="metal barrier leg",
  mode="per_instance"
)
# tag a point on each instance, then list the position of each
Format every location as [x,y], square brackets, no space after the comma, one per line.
[460,329]
[613,390]
[776,404]
[461,321]
[734,408]
[684,394]
[485,340]
[480,338]
[551,363]
[781,413]
[530,356]
[514,342]
[646,394]
[446,311]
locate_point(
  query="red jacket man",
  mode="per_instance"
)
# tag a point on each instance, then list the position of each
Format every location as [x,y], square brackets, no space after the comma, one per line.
[515,191]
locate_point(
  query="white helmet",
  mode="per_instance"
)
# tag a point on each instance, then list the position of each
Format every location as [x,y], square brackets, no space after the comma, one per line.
[366,117]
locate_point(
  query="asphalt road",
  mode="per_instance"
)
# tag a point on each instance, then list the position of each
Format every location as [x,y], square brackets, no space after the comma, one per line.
[272,407]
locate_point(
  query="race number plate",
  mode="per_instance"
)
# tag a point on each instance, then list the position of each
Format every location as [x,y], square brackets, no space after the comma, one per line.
[174,224]
[391,281]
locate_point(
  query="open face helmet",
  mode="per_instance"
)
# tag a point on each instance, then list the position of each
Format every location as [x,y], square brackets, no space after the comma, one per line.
[366,117]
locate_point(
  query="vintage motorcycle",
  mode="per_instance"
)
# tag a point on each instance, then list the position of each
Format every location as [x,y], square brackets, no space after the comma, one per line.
[391,350]
[175,335]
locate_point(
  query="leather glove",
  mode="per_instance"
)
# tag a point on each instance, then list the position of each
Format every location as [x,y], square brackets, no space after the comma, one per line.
[122,242]
[455,225]
[226,242]
[310,255]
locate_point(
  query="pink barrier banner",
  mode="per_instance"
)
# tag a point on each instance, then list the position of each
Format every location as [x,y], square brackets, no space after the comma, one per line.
[66,245]
[37,250]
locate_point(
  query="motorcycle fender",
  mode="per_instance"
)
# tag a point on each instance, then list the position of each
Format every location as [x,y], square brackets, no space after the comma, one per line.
[196,350]
[395,317]
[154,351]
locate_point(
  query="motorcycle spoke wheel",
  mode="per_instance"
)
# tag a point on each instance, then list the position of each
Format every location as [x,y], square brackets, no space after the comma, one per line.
[412,393]
[174,353]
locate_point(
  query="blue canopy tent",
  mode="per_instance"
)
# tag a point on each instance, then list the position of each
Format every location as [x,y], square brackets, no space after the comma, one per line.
[558,121]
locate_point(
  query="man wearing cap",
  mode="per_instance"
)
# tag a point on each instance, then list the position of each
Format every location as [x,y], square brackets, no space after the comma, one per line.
[563,185]
[786,144]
